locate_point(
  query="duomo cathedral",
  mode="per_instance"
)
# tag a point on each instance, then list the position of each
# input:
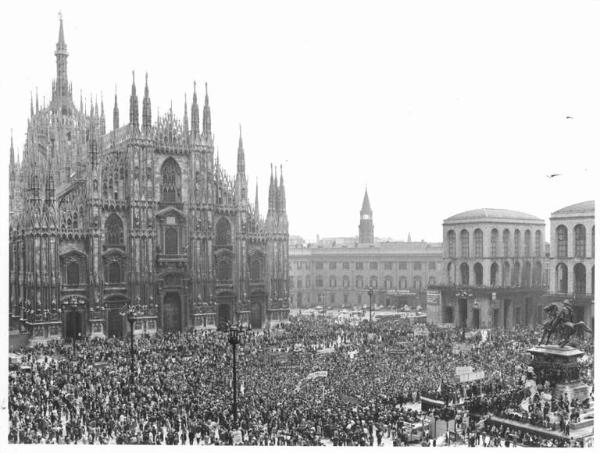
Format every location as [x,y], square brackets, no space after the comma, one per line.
[141,217]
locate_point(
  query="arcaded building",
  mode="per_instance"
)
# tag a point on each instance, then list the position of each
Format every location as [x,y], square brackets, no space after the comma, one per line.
[142,215]
[337,272]
[495,269]
[572,245]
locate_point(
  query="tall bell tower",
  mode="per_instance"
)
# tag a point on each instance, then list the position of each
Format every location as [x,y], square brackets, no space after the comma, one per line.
[365,228]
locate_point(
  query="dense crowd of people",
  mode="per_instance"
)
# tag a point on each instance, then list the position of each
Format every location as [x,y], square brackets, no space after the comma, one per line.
[181,389]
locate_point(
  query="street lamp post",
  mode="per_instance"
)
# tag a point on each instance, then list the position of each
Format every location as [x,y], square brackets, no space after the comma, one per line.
[130,312]
[370,293]
[234,338]
[131,319]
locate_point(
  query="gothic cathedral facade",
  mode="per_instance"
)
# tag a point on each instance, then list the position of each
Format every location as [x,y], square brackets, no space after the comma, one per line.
[139,219]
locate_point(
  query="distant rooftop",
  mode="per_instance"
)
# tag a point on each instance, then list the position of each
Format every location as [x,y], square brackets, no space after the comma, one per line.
[489,214]
[585,208]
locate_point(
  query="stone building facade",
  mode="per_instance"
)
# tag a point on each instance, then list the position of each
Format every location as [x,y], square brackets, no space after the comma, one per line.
[142,215]
[337,272]
[572,258]
[495,269]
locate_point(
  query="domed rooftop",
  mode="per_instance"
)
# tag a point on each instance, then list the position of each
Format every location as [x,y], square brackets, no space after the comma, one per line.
[490,214]
[585,207]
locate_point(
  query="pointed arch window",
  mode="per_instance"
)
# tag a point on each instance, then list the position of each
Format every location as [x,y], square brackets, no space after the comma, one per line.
[256,270]
[73,273]
[114,230]
[224,269]
[171,182]
[223,232]
[171,241]
[114,272]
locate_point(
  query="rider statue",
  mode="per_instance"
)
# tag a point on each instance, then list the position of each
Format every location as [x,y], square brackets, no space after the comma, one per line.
[561,324]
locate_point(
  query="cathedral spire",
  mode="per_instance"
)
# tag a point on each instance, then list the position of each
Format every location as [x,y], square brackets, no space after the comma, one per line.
[256,211]
[146,109]
[37,102]
[134,119]
[281,191]
[276,206]
[102,117]
[30,105]
[12,150]
[185,117]
[206,114]
[61,94]
[241,161]
[271,193]
[116,112]
[195,114]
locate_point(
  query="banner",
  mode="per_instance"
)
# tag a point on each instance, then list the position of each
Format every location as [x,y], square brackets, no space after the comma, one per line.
[469,377]
[316,374]
[326,351]
[434,297]
[313,375]
[463,370]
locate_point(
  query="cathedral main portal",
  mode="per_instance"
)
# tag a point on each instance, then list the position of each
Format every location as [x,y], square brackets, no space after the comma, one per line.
[172,313]
[256,315]
[115,323]
[73,325]
[224,311]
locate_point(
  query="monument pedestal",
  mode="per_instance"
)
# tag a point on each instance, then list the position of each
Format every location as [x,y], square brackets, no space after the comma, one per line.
[559,367]
[574,390]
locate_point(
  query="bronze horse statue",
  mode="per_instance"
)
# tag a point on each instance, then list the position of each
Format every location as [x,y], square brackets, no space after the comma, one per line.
[561,323]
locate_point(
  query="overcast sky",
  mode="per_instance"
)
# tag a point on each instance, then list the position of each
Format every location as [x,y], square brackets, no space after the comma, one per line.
[437,106]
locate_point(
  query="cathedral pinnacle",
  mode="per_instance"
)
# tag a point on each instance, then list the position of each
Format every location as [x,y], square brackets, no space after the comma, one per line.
[185,116]
[134,119]
[195,114]
[241,161]
[282,201]
[61,92]
[12,149]
[206,114]
[116,112]
[256,211]
[146,109]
